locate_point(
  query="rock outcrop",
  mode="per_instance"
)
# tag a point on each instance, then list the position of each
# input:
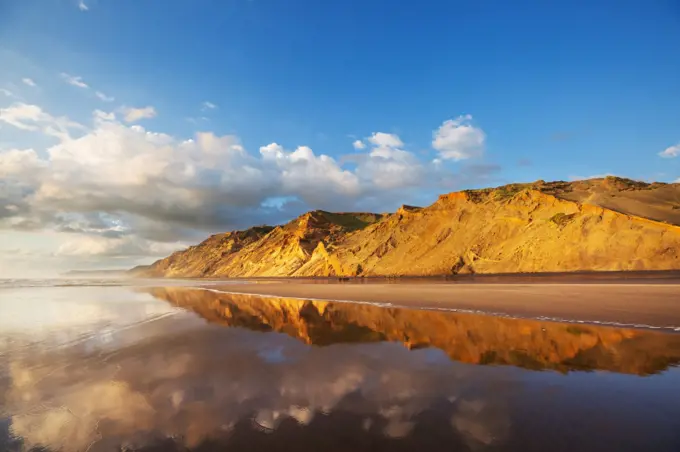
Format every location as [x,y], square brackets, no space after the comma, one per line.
[595,225]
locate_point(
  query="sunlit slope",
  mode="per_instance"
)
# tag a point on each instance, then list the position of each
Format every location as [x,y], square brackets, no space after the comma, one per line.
[600,224]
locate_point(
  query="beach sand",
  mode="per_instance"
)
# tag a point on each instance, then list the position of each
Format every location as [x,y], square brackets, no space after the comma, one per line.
[629,303]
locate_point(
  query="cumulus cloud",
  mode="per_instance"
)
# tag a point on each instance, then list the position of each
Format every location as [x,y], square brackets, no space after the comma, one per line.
[28,81]
[387,140]
[135,175]
[458,139]
[104,97]
[74,80]
[671,151]
[122,190]
[358,145]
[389,166]
[135,114]
[300,170]
[155,184]
[15,161]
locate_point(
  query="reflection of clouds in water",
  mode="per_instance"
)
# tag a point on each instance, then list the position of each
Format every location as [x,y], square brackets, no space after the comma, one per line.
[268,420]
[201,384]
[74,425]
[481,423]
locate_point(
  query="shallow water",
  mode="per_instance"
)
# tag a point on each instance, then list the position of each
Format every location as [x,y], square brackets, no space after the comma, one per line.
[107,367]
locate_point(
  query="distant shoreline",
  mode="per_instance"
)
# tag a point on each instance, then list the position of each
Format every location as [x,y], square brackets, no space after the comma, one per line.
[580,277]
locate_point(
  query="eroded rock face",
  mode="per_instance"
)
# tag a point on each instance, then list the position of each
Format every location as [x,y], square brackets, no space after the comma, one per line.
[469,338]
[599,224]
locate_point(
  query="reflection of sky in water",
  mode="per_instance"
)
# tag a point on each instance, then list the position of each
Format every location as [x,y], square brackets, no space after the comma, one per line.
[39,309]
[272,355]
[180,377]
[64,314]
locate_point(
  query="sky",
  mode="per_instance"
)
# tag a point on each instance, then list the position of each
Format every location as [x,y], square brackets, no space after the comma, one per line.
[130,129]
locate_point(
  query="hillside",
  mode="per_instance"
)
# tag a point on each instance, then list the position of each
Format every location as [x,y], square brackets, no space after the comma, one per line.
[263,250]
[598,224]
[468,338]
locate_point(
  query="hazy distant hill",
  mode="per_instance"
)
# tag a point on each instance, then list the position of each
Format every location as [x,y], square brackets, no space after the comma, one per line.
[95,273]
[597,224]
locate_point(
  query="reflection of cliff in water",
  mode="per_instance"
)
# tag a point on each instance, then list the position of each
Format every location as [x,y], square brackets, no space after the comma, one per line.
[469,338]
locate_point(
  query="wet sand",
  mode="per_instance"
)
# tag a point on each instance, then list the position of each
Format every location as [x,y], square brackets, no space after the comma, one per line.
[142,368]
[643,304]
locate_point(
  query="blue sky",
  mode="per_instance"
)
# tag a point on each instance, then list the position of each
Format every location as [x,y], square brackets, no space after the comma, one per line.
[553,91]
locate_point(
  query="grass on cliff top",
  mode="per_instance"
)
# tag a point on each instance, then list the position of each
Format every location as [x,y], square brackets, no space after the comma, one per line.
[352,221]
[556,187]
[509,191]
[349,221]
[497,194]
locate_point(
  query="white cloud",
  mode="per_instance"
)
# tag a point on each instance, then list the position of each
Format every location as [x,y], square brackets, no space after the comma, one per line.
[33,118]
[301,170]
[135,114]
[74,80]
[136,191]
[458,139]
[670,152]
[358,145]
[6,92]
[385,139]
[28,81]
[22,116]
[207,180]
[82,6]
[105,116]
[16,161]
[128,246]
[208,106]
[104,97]
[388,166]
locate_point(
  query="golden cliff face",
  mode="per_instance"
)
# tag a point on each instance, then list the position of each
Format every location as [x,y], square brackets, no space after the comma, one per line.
[469,338]
[600,224]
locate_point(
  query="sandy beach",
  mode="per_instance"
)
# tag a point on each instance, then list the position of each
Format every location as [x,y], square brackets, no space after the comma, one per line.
[648,303]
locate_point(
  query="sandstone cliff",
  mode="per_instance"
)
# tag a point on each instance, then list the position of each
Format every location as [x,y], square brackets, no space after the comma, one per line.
[598,224]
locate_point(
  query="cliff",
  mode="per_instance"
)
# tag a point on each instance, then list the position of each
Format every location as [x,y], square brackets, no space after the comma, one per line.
[594,225]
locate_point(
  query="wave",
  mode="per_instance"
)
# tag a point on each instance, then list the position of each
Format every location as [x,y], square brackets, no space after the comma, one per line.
[15,283]
[11,283]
